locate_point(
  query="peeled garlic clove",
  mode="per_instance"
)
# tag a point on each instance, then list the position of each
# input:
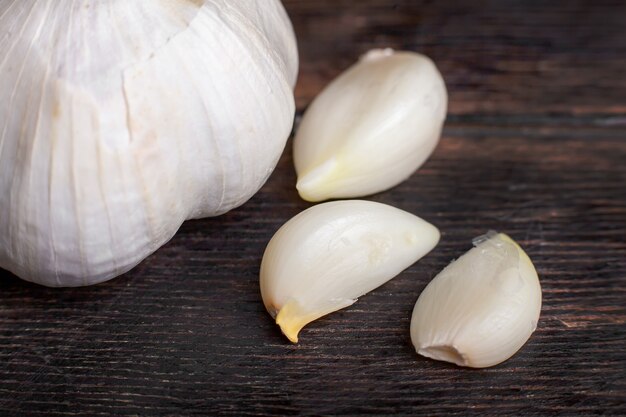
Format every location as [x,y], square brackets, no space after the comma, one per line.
[482,308]
[371,128]
[326,257]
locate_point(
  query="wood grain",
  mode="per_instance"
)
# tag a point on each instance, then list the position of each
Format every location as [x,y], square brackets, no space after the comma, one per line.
[498,57]
[535,146]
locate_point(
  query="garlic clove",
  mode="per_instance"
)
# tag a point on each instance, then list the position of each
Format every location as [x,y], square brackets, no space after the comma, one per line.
[482,308]
[326,257]
[371,128]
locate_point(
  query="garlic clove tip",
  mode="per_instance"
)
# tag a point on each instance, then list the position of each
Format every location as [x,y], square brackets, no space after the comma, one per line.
[292,317]
[291,320]
[376,54]
[316,184]
[446,353]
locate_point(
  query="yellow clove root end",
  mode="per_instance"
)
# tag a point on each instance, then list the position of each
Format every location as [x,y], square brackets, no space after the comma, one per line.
[292,317]
[291,320]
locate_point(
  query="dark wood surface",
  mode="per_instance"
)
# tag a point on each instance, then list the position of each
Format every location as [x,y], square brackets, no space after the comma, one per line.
[535,146]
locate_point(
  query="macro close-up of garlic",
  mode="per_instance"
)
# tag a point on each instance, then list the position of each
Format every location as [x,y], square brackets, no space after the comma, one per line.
[119,120]
[371,128]
[326,257]
[363,208]
[482,308]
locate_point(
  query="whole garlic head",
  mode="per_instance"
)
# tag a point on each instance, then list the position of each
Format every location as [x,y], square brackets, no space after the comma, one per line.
[326,257]
[482,308]
[121,119]
[371,128]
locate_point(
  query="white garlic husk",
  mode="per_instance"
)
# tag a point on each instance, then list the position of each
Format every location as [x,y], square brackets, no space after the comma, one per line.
[326,257]
[121,119]
[482,308]
[371,128]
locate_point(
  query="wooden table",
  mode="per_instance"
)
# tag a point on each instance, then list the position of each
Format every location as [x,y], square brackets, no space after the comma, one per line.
[535,145]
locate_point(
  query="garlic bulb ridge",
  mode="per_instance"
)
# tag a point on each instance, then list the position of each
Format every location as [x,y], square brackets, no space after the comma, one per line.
[121,119]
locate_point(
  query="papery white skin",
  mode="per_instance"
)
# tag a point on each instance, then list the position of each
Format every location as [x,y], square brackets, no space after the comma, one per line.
[326,257]
[371,128]
[482,308]
[121,119]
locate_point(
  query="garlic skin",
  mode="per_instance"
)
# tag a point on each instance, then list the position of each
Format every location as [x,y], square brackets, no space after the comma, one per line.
[482,308]
[326,257]
[371,128]
[121,119]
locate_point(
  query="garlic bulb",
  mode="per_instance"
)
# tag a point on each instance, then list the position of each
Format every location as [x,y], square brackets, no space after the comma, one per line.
[371,128]
[481,308]
[121,119]
[326,257]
